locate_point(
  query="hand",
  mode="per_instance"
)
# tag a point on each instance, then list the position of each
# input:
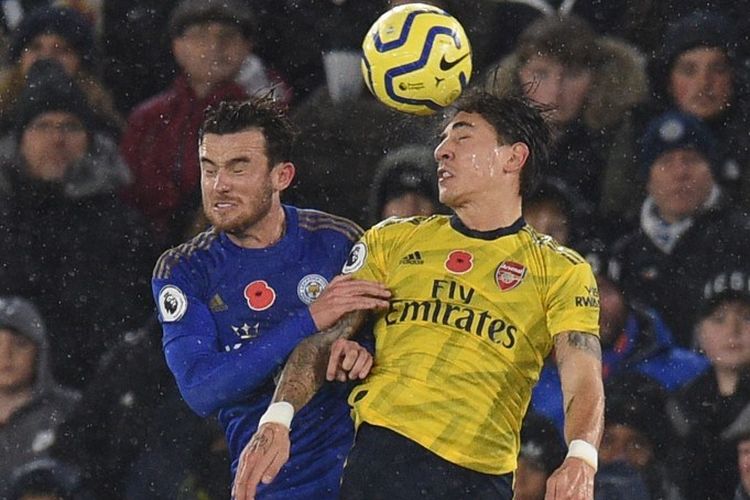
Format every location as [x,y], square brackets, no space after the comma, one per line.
[261,460]
[349,360]
[345,294]
[574,479]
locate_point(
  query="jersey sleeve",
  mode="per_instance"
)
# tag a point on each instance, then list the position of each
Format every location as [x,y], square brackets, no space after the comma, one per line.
[573,302]
[208,377]
[367,258]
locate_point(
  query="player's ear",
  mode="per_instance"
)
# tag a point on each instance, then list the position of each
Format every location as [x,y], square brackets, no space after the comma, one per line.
[282,175]
[519,153]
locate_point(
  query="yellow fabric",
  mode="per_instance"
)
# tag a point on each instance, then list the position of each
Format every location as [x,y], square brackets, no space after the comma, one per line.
[456,356]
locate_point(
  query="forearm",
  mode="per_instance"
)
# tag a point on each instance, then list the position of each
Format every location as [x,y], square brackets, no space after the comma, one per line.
[579,363]
[210,378]
[584,411]
[305,370]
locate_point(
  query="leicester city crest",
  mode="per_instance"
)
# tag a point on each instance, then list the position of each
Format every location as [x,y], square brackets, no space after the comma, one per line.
[310,287]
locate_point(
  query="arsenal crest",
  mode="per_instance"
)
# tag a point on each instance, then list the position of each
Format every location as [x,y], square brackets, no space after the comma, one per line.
[509,275]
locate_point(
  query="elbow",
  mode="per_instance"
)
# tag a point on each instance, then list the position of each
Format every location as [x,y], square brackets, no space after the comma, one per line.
[200,400]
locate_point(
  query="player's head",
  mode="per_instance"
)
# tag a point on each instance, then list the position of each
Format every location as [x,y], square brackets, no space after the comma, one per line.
[244,151]
[491,139]
[262,113]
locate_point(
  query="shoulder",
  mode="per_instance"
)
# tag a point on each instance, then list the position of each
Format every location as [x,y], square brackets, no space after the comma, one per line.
[410,224]
[550,250]
[315,221]
[152,107]
[183,253]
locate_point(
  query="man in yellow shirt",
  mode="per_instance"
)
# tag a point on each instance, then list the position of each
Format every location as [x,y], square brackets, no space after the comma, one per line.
[479,299]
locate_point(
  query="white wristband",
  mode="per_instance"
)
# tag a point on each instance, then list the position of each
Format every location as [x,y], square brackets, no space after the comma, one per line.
[278,413]
[579,448]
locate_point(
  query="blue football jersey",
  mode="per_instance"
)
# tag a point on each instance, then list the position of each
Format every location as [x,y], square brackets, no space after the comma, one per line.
[231,316]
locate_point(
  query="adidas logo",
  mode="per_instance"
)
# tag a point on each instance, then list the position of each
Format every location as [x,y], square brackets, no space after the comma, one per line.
[412,258]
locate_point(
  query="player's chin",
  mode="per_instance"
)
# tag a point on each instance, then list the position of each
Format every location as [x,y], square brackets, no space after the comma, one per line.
[445,196]
[225,223]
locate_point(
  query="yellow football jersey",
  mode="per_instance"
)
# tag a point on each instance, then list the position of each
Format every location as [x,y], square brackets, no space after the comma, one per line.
[471,319]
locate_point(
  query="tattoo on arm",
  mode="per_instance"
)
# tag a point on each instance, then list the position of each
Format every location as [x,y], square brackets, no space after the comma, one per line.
[304,372]
[582,341]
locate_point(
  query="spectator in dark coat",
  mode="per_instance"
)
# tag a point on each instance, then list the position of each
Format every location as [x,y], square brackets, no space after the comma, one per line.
[738,435]
[637,437]
[713,401]
[67,242]
[686,222]
[32,404]
[129,415]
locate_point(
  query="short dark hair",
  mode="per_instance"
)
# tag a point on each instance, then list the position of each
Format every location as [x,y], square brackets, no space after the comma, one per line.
[230,12]
[261,113]
[515,118]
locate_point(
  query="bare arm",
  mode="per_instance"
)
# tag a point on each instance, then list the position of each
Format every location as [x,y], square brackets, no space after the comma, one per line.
[579,363]
[307,366]
[302,376]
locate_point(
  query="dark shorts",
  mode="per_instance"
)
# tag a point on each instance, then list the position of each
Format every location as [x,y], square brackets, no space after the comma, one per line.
[385,465]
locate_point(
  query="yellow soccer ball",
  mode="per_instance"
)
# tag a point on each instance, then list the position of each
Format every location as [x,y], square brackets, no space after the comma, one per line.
[416,58]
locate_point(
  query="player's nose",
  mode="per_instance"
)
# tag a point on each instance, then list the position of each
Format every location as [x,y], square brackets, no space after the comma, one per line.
[443,151]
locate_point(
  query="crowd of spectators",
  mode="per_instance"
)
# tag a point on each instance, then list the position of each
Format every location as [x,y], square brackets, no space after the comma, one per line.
[100,104]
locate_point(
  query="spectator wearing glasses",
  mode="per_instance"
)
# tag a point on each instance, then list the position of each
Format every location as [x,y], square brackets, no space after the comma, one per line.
[68,243]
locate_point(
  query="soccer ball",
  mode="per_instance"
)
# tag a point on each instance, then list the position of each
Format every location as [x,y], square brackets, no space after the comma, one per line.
[416,58]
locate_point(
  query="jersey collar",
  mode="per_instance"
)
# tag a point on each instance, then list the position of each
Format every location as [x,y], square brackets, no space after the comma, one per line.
[493,234]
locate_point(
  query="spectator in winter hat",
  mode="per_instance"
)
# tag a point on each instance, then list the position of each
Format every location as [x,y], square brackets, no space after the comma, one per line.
[637,433]
[706,407]
[31,402]
[404,184]
[696,65]
[555,209]
[686,222]
[86,257]
[62,35]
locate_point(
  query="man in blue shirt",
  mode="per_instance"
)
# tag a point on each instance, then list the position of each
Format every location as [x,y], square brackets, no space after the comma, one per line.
[235,300]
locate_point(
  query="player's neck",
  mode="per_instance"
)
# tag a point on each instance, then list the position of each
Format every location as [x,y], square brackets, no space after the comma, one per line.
[490,215]
[264,233]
